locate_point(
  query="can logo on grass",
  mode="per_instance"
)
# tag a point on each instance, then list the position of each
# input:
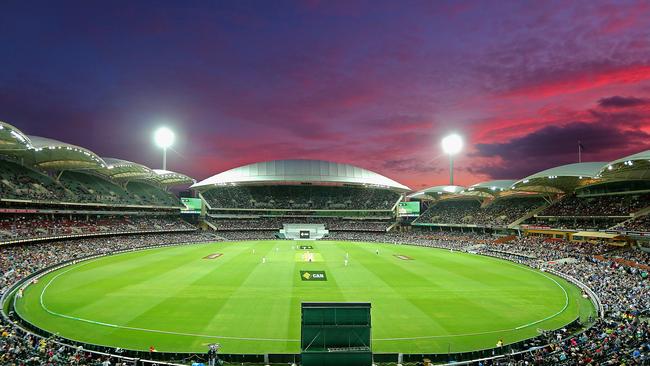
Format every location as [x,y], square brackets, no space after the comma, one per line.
[313,276]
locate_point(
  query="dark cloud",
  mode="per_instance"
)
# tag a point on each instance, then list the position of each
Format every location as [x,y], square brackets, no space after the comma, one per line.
[411,165]
[622,102]
[374,84]
[557,145]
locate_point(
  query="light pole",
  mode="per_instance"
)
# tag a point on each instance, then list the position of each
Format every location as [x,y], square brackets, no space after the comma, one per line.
[452,145]
[164,138]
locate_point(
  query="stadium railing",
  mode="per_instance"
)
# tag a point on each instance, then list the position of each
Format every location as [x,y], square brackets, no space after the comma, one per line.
[88,204]
[592,295]
[88,235]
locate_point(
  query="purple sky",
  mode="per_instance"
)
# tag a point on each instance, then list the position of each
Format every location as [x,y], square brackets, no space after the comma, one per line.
[374,84]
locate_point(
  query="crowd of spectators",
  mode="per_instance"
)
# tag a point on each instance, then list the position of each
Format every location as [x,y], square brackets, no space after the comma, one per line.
[308,197]
[634,255]
[20,182]
[18,261]
[501,212]
[506,210]
[247,235]
[611,205]
[88,188]
[640,224]
[23,183]
[450,212]
[575,223]
[621,337]
[276,223]
[614,340]
[18,227]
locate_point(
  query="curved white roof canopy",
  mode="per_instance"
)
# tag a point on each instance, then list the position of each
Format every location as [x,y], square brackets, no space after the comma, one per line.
[12,138]
[300,171]
[169,178]
[561,179]
[436,192]
[490,188]
[119,169]
[51,154]
[632,167]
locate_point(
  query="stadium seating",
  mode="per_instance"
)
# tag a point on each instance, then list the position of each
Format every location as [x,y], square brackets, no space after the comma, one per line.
[92,189]
[641,224]
[501,212]
[19,182]
[593,213]
[305,197]
[147,194]
[450,212]
[16,227]
[275,223]
[611,205]
[621,336]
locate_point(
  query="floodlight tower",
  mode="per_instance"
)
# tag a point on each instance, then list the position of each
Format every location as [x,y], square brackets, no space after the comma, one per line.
[452,145]
[164,138]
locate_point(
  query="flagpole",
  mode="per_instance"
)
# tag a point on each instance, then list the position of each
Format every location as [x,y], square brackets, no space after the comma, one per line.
[579,152]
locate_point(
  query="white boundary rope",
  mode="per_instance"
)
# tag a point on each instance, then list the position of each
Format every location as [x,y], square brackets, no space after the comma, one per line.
[566,304]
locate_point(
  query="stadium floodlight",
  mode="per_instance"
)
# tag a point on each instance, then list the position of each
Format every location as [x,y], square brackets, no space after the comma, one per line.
[164,138]
[451,145]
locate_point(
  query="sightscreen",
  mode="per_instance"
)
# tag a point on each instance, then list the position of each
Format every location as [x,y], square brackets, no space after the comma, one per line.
[335,333]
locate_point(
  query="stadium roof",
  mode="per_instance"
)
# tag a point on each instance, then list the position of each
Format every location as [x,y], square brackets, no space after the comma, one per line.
[169,178]
[489,189]
[56,155]
[125,170]
[636,166]
[12,138]
[300,171]
[49,154]
[561,179]
[436,192]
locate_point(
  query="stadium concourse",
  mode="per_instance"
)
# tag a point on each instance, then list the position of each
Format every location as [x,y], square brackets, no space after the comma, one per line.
[587,222]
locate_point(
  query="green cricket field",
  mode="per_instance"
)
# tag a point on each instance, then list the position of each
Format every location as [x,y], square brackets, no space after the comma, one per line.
[246,296]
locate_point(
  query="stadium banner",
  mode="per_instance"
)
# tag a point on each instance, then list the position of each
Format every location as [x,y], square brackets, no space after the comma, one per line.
[405,209]
[192,205]
[313,276]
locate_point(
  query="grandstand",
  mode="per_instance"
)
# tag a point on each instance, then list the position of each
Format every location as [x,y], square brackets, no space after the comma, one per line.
[51,189]
[264,196]
[586,224]
[491,204]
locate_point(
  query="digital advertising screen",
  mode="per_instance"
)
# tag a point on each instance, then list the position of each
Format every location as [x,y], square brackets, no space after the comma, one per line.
[408,208]
[192,205]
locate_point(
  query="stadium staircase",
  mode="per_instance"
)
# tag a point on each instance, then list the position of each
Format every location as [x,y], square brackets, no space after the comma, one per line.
[210,225]
[642,212]
[527,216]
[635,215]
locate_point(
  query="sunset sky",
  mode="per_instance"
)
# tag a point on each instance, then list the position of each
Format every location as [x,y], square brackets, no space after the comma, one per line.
[371,83]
